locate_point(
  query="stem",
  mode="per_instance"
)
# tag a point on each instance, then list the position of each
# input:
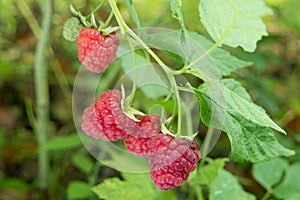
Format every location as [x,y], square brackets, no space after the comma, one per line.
[207,141]
[108,20]
[94,174]
[125,29]
[42,93]
[203,55]
[134,74]
[96,9]
[36,30]
[267,195]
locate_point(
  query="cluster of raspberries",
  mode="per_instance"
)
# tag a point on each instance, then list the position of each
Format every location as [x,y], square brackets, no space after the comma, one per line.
[171,159]
[96,51]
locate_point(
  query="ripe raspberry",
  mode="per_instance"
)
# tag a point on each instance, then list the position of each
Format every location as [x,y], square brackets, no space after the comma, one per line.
[171,160]
[137,140]
[99,118]
[96,51]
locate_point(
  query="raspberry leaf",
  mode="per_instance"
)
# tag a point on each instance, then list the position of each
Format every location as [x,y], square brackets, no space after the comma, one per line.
[71,29]
[79,190]
[135,186]
[270,172]
[237,102]
[218,62]
[234,22]
[223,60]
[133,12]
[246,124]
[83,162]
[208,173]
[63,143]
[226,186]
[290,186]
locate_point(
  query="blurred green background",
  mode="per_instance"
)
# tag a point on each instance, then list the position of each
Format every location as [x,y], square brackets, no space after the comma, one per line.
[272,81]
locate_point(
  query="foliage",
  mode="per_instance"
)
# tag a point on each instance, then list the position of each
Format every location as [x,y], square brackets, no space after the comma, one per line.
[252,44]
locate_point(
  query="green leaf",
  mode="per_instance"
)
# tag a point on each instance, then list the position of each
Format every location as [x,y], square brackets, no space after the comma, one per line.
[226,186]
[176,7]
[233,112]
[270,172]
[222,59]
[63,143]
[133,12]
[239,102]
[252,142]
[71,29]
[14,183]
[209,172]
[79,190]
[290,186]
[138,186]
[234,22]
[83,163]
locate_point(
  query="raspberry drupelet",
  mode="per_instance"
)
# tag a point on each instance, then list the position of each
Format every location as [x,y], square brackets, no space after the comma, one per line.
[171,160]
[139,136]
[99,118]
[96,51]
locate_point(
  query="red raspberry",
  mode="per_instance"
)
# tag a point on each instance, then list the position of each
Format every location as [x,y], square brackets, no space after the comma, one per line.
[138,136]
[171,160]
[99,118]
[96,51]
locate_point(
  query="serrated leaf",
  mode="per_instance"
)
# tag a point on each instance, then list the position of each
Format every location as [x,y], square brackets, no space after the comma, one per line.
[79,190]
[71,29]
[211,67]
[289,188]
[176,7]
[138,186]
[83,163]
[270,172]
[209,172]
[234,22]
[133,12]
[222,59]
[63,143]
[250,140]
[226,186]
[190,50]
[238,101]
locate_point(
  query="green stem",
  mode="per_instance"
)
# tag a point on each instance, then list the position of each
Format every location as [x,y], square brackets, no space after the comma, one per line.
[207,142]
[125,29]
[94,174]
[111,14]
[202,56]
[96,9]
[134,73]
[42,93]
[267,195]
[36,30]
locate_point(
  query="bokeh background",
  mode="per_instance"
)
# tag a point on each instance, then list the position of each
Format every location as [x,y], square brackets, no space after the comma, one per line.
[272,80]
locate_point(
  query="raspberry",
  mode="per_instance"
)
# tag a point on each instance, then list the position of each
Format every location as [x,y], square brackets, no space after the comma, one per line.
[171,160]
[137,140]
[99,118]
[96,51]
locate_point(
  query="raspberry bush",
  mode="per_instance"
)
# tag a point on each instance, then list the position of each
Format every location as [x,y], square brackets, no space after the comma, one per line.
[177,155]
[150,99]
